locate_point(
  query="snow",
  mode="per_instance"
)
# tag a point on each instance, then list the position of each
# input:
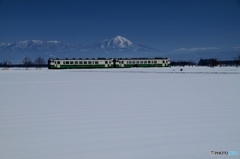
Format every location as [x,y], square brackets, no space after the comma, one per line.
[21,44]
[119,42]
[27,43]
[5,44]
[37,42]
[135,113]
[53,42]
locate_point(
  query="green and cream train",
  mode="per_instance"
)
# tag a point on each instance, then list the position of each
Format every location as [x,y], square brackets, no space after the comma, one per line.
[107,63]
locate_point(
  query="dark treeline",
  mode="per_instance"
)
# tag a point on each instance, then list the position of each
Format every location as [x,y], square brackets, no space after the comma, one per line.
[23,66]
[209,62]
[183,63]
[25,63]
[215,62]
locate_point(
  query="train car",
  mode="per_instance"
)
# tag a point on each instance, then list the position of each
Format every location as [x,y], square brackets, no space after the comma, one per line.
[107,63]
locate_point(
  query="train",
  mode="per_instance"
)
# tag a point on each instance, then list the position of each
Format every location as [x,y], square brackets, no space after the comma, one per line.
[107,63]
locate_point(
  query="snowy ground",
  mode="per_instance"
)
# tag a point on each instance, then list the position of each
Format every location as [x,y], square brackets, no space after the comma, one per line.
[150,113]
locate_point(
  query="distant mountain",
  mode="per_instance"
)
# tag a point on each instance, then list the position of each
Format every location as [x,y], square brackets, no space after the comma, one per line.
[115,47]
[35,45]
[118,44]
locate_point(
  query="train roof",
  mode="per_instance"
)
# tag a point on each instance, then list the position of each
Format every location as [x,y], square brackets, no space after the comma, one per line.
[110,58]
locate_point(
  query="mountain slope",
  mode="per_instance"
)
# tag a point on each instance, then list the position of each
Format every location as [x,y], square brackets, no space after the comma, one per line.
[118,44]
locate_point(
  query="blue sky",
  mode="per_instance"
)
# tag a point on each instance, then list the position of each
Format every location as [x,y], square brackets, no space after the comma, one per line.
[163,24]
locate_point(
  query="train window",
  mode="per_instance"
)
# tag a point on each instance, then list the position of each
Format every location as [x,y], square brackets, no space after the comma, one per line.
[96,62]
[80,62]
[89,62]
[155,61]
[163,62]
[106,62]
[130,62]
[145,61]
[67,62]
[137,62]
[76,62]
[58,62]
[149,61]
[71,62]
[141,61]
[64,62]
[85,62]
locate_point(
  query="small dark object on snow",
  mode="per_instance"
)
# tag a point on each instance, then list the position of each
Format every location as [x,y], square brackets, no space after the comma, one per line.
[181,69]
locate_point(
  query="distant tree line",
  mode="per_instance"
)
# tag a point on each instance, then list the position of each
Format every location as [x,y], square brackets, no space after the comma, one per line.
[209,62]
[215,62]
[183,63]
[26,63]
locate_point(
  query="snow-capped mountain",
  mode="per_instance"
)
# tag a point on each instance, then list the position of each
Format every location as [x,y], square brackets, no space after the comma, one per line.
[31,45]
[118,44]
[116,47]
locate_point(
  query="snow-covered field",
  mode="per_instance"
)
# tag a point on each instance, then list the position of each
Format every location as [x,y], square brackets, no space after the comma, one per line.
[138,113]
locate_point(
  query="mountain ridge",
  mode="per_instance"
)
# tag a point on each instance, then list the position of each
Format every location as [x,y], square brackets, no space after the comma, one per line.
[106,45]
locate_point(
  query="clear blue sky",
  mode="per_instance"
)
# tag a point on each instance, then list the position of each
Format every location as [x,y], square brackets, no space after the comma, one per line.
[163,24]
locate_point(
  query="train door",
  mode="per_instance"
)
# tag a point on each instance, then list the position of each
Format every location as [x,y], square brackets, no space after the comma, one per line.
[114,63]
[121,63]
[58,64]
[106,63]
